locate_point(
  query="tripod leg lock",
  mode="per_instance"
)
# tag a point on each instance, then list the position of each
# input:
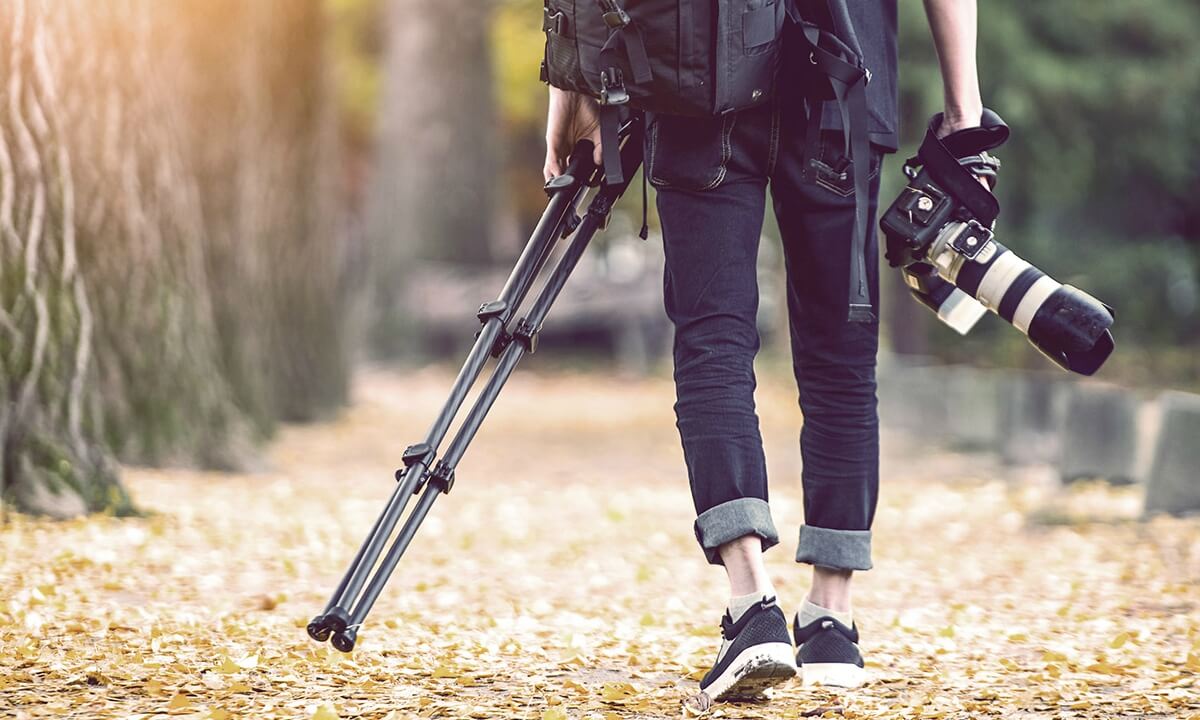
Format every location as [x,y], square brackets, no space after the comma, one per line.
[418,453]
[495,308]
[527,333]
[570,223]
[442,477]
[500,310]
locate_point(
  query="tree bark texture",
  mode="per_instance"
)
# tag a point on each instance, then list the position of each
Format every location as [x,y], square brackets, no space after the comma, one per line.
[171,261]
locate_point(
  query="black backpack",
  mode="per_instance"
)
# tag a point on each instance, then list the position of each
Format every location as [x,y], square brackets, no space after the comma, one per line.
[682,57]
[709,57]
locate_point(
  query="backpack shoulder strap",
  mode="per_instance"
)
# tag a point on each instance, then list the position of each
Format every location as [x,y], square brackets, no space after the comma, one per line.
[843,27]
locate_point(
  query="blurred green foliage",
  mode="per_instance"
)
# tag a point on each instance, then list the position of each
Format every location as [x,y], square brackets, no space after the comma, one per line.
[517,53]
[1100,180]
[1101,177]
[358,43]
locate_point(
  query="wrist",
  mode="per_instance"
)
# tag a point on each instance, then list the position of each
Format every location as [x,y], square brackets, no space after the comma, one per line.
[959,116]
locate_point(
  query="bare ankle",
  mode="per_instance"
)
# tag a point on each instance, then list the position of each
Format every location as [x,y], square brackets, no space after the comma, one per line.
[831,588]
[744,565]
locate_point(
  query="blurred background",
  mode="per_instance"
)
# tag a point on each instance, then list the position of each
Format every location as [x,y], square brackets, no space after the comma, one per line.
[241,249]
[213,211]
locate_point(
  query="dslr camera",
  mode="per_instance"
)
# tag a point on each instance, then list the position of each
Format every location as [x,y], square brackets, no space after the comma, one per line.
[939,232]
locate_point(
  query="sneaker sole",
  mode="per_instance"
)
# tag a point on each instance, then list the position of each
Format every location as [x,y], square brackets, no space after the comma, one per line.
[844,675]
[755,669]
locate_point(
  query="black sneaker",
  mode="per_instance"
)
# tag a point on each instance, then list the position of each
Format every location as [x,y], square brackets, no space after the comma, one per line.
[755,655]
[829,653]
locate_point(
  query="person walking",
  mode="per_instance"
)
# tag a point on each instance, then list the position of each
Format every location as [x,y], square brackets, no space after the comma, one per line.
[711,175]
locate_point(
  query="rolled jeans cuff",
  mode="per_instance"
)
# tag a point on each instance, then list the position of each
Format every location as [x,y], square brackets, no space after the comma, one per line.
[732,520]
[837,549]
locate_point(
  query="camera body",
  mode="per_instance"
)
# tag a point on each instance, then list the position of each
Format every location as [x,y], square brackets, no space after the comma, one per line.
[915,221]
[939,232]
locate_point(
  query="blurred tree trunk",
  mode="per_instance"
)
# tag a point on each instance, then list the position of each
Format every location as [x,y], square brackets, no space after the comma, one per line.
[435,186]
[170,263]
[266,153]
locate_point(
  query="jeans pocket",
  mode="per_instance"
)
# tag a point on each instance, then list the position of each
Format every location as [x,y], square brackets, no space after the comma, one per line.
[833,170]
[689,153]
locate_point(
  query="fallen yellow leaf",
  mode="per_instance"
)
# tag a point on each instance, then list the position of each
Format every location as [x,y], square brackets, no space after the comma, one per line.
[1193,661]
[617,692]
[325,712]
[228,666]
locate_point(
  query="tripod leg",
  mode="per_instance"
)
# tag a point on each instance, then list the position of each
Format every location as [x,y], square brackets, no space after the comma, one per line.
[519,282]
[526,332]
[342,627]
[495,315]
[442,475]
[565,193]
[527,328]
[336,616]
[345,639]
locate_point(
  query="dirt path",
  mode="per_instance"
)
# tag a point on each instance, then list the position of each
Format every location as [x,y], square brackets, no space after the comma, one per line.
[561,579]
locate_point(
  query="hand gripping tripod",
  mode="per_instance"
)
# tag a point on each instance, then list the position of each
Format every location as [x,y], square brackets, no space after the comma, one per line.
[421,475]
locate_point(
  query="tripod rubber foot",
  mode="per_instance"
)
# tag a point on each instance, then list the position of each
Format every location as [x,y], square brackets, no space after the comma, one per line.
[337,619]
[318,630]
[344,640]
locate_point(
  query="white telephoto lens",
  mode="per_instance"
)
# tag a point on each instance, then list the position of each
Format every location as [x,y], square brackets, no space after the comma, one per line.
[961,311]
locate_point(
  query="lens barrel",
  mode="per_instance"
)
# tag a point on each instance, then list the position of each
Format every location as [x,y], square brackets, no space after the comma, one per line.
[1065,324]
[953,306]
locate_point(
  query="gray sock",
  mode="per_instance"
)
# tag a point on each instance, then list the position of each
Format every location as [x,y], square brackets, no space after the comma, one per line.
[740,604]
[810,611]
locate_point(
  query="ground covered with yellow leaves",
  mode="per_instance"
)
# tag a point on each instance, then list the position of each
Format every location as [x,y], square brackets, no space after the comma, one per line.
[561,579]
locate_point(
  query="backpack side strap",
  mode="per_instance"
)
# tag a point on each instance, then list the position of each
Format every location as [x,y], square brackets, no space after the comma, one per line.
[623,35]
[847,78]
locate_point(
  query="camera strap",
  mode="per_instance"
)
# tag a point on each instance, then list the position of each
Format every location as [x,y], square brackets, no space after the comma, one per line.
[942,158]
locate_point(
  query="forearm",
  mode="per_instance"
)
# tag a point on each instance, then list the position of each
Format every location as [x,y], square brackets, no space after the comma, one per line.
[954,26]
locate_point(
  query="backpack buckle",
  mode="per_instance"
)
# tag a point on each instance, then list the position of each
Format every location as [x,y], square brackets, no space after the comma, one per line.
[612,87]
[552,20]
[614,15]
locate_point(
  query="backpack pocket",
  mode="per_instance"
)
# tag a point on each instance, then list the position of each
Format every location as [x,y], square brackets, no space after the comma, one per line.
[747,53]
[695,40]
[562,46]
[760,30]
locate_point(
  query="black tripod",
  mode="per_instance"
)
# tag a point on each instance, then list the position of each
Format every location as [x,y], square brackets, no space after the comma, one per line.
[421,475]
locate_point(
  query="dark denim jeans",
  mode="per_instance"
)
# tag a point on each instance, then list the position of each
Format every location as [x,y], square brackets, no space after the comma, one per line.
[711,175]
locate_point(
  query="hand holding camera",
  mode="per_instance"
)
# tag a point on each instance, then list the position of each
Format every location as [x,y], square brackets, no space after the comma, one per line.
[940,233]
